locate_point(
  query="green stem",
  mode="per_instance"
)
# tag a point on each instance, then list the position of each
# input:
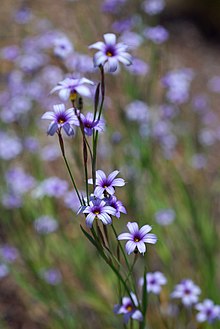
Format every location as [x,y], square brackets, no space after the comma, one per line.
[67,165]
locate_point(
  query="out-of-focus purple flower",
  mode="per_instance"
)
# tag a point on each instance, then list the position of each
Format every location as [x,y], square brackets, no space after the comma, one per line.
[80,62]
[139,67]
[137,238]
[165,216]
[8,253]
[10,146]
[123,25]
[52,186]
[200,103]
[51,75]
[111,53]
[61,118]
[71,201]
[11,201]
[178,84]
[62,47]
[129,308]
[153,7]
[112,6]
[167,112]
[199,161]
[207,137]
[106,184]
[137,111]
[155,281]
[45,225]
[69,87]
[31,144]
[157,34]
[131,39]
[52,276]
[98,209]
[208,311]
[187,291]
[18,181]
[4,270]
[23,15]
[31,62]
[116,204]
[10,53]
[50,152]
[214,84]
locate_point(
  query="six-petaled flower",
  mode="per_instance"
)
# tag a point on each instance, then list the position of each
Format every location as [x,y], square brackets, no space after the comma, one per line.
[187,291]
[98,209]
[154,282]
[106,184]
[69,88]
[129,308]
[61,118]
[110,53]
[207,311]
[137,238]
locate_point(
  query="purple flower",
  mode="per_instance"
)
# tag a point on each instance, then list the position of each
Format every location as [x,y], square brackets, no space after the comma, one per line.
[207,311]
[116,204]
[214,84]
[90,124]
[137,111]
[11,201]
[52,276]
[19,181]
[165,216]
[157,34]
[178,83]
[112,6]
[137,238]
[62,47]
[8,253]
[61,118]
[187,291]
[139,67]
[10,146]
[110,53]
[129,308]
[69,87]
[154,282]
[98,209]
[52,186]
[45,225]
[106,184]
[153,7]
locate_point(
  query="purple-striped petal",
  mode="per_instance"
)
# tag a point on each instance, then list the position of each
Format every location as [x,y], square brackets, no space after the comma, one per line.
[133,227]
[112,175]
[118,182]
[110,38]
[130,247]
[141,247]
[49,115]
[89,219]
[145,229]
[98,191]
[52,128]
[150,238]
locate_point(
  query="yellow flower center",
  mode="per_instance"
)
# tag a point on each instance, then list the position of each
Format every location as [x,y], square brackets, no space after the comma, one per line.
[61,121]
[136,240]
[129,308]
[96,212]
[73,95]
[109,54]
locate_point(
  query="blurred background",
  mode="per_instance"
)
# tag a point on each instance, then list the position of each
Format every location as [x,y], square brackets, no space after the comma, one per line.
[162,133]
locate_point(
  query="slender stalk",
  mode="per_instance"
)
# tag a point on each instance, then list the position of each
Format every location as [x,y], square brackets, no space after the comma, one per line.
[67,165]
